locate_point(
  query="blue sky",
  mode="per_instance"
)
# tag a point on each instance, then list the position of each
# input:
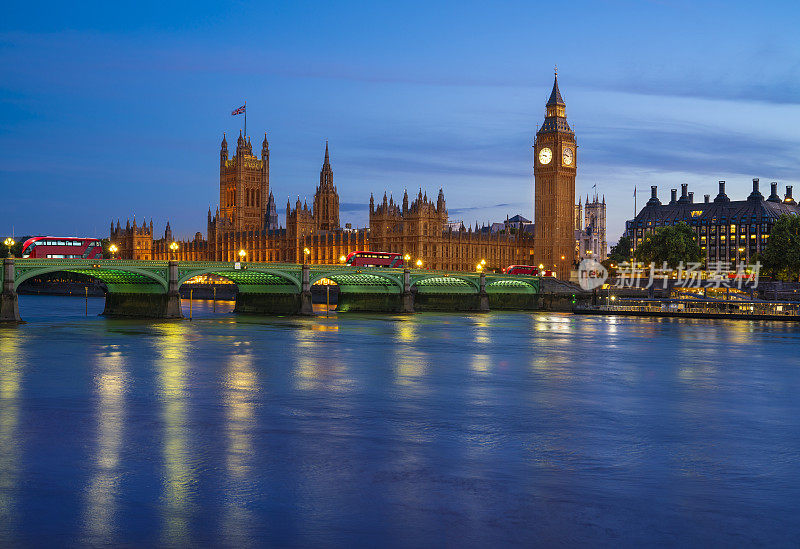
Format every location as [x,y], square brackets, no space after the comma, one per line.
[109,110]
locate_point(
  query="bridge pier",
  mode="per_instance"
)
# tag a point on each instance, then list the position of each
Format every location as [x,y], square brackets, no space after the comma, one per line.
[407,305]
[9,302]
[147,305]
[306,307]
[483,297]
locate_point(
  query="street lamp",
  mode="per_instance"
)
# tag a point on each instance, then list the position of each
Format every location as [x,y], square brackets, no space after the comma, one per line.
[479,267]
[242,254]
[113,249]
[419,263]
[342,259]
[10,243]
[306,253]
[174,248]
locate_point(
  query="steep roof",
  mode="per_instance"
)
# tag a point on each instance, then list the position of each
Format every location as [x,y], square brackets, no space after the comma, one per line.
[555,95]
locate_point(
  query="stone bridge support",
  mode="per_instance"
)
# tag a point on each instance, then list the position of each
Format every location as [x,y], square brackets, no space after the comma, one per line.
[306,307]
[407,305]
[483,297]
[147,305]
[9,302]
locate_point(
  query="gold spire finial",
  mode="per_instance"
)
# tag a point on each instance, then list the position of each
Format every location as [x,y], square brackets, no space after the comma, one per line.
[555,69]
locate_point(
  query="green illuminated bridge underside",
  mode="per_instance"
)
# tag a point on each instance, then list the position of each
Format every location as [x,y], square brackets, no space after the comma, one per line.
[359,288]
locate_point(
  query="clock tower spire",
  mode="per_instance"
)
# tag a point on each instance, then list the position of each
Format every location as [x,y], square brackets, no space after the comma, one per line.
[554,170]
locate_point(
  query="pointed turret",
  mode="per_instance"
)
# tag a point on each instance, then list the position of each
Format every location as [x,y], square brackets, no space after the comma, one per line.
[264,147]
[555,95]
[371,202]
[440,204]
[405,201]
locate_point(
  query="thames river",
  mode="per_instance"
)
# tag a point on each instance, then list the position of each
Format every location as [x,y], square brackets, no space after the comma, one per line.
[458,430]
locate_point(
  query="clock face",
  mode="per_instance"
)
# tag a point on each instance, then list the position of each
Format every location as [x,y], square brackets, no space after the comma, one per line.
[568,157]
[545,156]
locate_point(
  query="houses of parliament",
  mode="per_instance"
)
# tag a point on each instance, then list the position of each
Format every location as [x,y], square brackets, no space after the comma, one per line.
[246,218]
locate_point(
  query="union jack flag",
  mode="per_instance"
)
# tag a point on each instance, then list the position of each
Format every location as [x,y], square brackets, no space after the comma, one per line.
[240,110]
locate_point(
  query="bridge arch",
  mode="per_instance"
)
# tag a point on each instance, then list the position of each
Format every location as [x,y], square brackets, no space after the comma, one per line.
[366,281]
[117,279]
[512,286]
[433,281]
[251,280]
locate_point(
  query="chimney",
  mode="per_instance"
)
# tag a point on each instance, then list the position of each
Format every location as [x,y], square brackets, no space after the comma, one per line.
[673,196]
[756,194]
[773,192]
[684,196]
[722,197]
[707,198]
[654,201]
[691,198]
[788,198]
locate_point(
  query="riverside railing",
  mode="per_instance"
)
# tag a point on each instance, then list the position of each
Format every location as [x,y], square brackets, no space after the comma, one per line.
[702,307]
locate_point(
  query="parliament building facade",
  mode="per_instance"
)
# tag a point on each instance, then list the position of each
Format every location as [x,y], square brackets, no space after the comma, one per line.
[246,218]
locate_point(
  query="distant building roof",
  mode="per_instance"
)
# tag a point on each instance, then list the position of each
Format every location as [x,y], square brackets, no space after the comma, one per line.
[518,219]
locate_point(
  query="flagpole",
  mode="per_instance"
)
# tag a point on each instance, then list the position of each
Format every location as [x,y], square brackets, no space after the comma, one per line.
[245,118]
[634,202]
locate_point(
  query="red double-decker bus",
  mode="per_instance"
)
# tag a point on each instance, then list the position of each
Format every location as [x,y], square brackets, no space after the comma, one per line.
[62,247]
[374,259]
[527,270]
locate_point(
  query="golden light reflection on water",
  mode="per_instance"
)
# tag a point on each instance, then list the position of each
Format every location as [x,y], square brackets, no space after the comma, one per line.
[110,383]
[410,361]
[172,366]
[11,363]
[481,363]
[314,368]
[240,395]
[482,331]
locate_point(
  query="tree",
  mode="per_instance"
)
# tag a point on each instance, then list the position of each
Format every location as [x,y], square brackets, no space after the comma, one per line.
[621,251]
[674,245]
[105,243]
[781,257]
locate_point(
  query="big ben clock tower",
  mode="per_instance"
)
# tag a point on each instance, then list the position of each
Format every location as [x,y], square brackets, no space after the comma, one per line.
[554,161]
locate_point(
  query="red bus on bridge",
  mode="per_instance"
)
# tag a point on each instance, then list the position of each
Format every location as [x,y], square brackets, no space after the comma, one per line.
[374,259]
[62,247]
[527,270]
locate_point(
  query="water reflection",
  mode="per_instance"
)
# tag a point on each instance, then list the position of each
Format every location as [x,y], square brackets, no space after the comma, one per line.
[317,367]
[410,361]
[240,394]
[179,478]
[110,383]
[11,363]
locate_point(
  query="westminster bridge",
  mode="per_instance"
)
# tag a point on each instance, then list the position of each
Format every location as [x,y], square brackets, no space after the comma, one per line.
[150,289]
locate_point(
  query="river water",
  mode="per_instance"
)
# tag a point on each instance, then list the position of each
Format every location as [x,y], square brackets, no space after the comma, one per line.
[459,430]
